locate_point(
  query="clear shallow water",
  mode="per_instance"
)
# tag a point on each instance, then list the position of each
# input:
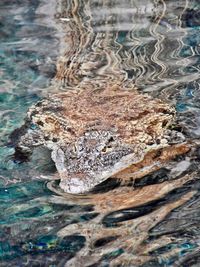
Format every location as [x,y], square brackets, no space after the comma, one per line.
[158,47]
[26,67]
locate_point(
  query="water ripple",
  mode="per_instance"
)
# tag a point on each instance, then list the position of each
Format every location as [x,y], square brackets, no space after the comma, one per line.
[151,44]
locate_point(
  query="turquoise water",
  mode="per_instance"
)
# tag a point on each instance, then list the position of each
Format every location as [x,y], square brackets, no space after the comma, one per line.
[27,58]
[160,54]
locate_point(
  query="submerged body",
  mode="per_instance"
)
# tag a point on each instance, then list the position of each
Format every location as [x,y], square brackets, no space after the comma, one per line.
[101,125]
[94,134]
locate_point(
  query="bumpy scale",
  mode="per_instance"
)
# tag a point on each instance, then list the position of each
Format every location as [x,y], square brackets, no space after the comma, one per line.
[94,134]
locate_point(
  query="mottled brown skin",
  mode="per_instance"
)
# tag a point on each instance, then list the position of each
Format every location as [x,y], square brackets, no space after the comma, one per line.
[137,118]
[94,134]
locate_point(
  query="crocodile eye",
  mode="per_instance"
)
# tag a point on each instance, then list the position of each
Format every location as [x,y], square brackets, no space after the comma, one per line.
[40,123]
[158,141]
[33,126]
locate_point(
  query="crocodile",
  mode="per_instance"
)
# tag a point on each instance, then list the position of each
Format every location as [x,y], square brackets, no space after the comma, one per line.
[99,124]
[120,154]
[95,133]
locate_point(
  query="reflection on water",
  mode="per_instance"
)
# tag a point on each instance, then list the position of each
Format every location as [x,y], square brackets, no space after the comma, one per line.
[153,44]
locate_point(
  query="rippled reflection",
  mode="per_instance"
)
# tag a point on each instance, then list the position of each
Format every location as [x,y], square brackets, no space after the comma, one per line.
[152,44]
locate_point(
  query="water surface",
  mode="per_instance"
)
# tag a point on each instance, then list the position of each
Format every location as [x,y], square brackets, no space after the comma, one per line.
[155,46]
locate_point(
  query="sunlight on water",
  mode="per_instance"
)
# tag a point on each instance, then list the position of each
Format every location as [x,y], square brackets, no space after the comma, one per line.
[153,44]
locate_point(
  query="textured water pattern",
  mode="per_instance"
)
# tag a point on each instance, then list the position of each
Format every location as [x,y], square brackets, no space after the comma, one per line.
[155,45]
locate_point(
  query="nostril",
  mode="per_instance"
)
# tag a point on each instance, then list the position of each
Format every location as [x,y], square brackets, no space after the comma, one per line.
[104,150]
[111,139]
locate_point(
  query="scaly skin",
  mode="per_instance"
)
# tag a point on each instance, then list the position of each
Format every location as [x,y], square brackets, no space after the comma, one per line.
[94,134]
